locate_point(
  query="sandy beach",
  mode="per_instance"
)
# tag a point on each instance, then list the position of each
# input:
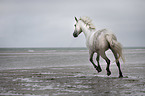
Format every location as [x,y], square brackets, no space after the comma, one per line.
[71,79]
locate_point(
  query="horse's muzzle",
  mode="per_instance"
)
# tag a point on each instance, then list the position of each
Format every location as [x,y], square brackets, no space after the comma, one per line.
[75,34]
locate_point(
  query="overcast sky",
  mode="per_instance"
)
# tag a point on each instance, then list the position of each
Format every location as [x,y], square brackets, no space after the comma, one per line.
[50,23]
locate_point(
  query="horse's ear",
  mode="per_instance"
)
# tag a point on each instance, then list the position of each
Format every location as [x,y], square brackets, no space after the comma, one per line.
[76,19]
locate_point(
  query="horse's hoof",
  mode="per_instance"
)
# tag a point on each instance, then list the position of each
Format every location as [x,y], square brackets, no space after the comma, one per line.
[109,73]
[98,69]
[120,76]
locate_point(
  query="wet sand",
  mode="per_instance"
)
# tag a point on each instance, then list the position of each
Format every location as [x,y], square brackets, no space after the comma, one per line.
[69,73]
[72,81]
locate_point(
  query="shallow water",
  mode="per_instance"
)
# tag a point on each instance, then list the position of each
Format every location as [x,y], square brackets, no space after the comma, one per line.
[31,71]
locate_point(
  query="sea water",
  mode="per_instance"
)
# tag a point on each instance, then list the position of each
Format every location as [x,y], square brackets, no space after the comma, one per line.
[21,58]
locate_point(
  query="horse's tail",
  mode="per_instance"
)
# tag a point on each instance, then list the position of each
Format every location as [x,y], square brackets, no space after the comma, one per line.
[115,45]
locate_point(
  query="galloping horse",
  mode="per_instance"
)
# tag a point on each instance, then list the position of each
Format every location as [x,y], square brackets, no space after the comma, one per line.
[99,42]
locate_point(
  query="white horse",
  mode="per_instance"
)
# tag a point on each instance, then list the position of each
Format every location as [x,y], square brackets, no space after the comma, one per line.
[99,42]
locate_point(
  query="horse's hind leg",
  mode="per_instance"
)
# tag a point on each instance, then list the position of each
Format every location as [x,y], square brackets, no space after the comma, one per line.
[120,73]
[103,55]
[99,67]
[118,63]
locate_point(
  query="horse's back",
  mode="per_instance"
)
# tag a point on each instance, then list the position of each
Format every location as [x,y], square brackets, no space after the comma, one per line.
[100,39]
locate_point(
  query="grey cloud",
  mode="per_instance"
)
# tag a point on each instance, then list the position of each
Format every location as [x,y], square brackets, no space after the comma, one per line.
[49,23]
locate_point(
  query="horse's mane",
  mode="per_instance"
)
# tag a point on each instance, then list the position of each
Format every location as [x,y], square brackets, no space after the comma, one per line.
[88,22]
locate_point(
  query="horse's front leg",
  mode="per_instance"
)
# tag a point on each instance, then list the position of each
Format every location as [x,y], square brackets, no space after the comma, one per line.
[91,60]
[98,58]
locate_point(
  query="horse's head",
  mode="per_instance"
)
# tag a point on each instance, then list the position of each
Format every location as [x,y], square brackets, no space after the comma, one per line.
[78,29]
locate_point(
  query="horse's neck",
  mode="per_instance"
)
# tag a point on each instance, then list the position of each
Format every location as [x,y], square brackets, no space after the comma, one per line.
[87,32]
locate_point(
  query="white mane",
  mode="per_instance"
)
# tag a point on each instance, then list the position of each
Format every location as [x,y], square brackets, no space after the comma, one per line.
[88,22]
